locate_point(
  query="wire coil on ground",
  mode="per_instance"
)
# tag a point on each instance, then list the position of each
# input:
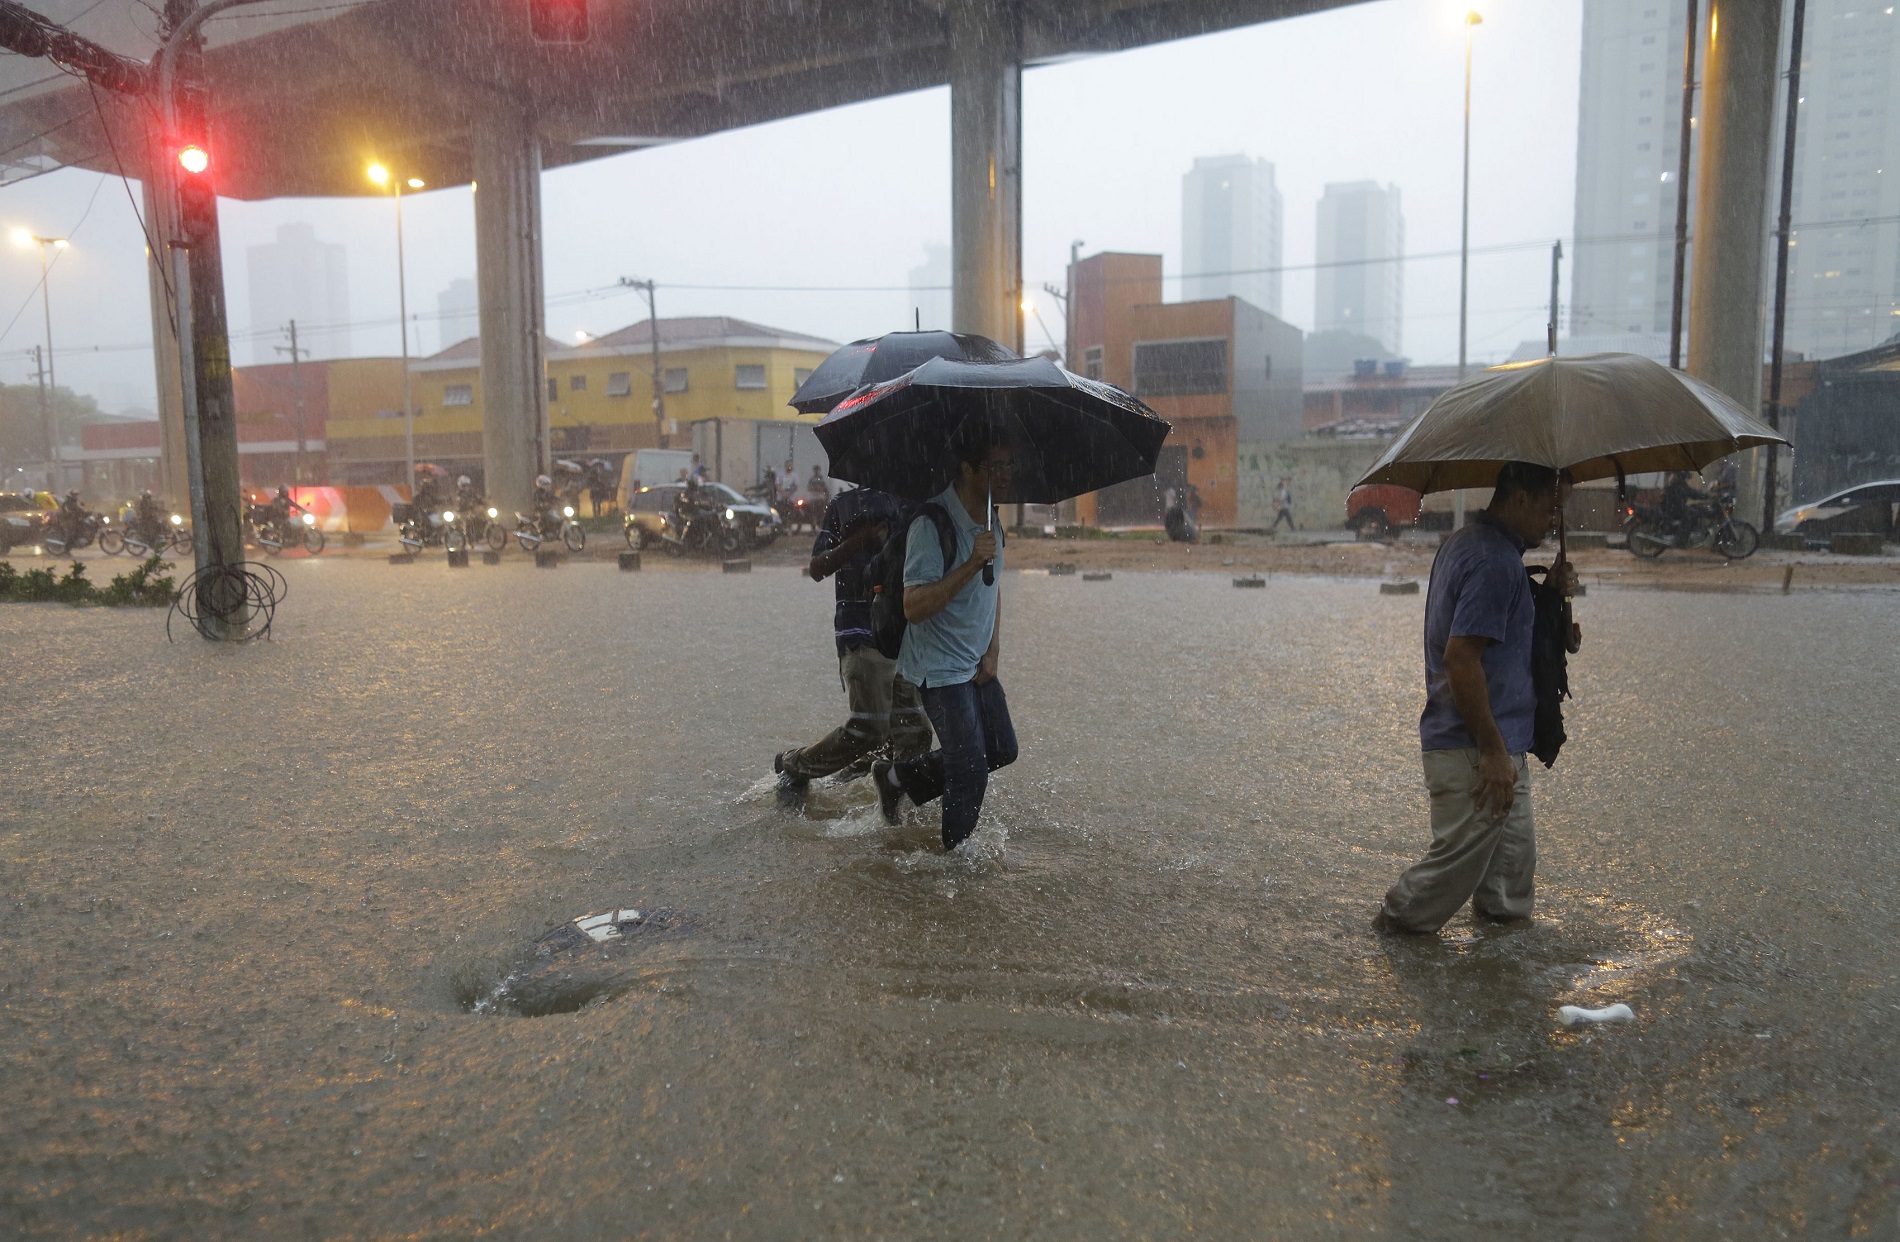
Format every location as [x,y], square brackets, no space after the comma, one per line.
[229,603]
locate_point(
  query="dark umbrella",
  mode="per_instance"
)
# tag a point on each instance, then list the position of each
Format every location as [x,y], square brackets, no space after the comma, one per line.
[876,359]
[1068,434]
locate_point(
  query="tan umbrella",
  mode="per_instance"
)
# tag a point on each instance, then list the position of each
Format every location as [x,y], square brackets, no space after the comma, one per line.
[1598,415]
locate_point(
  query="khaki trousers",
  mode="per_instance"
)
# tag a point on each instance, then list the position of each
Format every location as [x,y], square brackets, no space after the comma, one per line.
[883,707]
[1489,862]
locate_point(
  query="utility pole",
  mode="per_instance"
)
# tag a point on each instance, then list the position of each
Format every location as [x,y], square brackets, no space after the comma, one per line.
[296,390]
[1684,136]
[1556,257]
[659,384]
[46,412]
[1784,238]
[184,163]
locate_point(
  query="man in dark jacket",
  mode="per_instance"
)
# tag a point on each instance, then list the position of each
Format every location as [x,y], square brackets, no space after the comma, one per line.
[883,705]
[1480,709]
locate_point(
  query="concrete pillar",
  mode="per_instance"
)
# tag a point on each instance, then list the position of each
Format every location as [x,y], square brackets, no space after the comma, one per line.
[1735,129]
[174,485]
[986,142]
[507,159]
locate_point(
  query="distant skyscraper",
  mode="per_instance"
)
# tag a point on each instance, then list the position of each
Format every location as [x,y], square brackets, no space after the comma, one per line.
[1844,277]
[298,277]
[930,290]
[1360,284]
[1230,224]
[457,313]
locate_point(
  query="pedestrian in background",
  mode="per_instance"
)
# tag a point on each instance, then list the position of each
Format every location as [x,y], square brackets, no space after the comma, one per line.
[953,646]
[884,706]
[1283,505]
[1480,709]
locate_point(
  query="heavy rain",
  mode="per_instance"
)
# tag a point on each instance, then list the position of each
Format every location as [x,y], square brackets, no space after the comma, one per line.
[614,629]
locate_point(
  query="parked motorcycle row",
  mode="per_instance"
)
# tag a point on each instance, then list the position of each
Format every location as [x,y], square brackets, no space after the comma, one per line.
[455,530]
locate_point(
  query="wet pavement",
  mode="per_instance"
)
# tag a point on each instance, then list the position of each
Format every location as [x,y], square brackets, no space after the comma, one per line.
[261,904]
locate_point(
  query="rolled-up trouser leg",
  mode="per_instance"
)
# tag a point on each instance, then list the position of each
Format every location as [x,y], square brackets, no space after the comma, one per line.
[1473,857]
[869,678]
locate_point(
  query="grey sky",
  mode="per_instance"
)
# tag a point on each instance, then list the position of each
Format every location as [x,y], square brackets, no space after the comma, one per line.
[1371,91]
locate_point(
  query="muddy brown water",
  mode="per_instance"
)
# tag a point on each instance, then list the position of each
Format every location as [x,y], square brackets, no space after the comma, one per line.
[253,898]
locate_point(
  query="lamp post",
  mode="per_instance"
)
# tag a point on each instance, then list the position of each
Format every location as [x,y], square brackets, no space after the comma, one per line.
[1464,237]
[25,237]
[380,175]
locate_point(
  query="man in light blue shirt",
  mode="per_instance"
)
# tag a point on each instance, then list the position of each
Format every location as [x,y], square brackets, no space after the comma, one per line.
[952,644]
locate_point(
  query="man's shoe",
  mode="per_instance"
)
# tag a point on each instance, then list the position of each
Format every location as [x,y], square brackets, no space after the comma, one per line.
[791,791]
[889,797]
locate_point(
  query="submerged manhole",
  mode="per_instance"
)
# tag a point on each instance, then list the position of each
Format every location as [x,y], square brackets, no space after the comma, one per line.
[585,959]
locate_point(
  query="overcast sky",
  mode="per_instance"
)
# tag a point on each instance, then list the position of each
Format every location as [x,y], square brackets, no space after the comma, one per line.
[1367,92]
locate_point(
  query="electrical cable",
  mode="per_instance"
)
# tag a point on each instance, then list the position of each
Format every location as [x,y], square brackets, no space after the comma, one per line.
[229,603]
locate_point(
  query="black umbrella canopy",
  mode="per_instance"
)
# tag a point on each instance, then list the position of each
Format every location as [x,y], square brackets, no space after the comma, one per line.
[876,359]
[1069,435]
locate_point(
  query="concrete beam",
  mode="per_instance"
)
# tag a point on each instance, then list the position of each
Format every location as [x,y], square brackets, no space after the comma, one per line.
[1735,130]
[507,158]
[986,142]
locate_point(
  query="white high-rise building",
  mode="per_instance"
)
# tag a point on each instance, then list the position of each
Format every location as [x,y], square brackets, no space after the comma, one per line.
[1844,275]
[1360,284]
[457,313]
[1231,215]
[298,277]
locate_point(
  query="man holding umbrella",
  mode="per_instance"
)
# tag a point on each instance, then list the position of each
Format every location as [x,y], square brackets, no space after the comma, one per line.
[1480,713]
[953,645]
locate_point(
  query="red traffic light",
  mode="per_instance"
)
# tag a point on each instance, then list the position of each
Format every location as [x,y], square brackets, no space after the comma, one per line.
[193,158]
[558,21]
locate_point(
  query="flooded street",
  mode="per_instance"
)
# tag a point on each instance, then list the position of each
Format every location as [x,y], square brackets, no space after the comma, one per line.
[262,905]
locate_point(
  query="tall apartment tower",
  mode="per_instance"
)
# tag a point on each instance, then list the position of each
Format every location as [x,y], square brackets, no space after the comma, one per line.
[1844,276]
[1360,285]
[1231,214]
[298,277]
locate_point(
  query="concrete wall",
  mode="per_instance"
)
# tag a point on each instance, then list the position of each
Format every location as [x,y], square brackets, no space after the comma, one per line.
[1323,472]
[1269,390]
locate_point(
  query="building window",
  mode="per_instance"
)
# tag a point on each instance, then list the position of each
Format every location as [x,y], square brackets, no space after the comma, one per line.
[577,383]
[800,375]
[746,377]
[675,379]
[620,384]
[554,390]
[458,394]
[1092,362]
[1180,368]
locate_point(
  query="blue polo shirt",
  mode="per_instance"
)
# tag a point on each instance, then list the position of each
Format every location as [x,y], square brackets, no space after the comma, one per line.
[945,649]
[1479,589]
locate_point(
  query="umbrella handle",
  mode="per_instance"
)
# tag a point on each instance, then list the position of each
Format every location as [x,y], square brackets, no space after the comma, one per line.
[989,516]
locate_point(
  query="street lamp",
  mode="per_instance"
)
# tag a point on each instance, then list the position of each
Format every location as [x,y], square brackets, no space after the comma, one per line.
[381,176]
[26,237]
[1464,236]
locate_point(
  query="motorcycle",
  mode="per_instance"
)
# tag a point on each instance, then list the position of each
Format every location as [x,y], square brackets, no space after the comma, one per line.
[465,529]
[701,533]
[532,532]
[1710,524]
[65,534]
[417,528]
[274,536]
[146,540]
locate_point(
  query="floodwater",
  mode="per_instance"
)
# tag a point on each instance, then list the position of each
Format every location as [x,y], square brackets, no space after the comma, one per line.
[261,902]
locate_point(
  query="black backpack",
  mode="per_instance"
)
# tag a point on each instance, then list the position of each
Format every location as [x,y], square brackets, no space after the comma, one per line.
[1550,664]
[884,577]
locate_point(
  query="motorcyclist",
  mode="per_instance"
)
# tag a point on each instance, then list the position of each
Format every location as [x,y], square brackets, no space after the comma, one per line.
[1677,495]
[280,507]
[147,515]
[424,493]
[71,514]
[546,504]
[468,501]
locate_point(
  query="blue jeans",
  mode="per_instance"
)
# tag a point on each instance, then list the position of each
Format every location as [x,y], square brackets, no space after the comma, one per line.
[975,737]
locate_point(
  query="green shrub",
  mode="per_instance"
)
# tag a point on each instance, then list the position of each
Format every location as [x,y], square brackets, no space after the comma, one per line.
[139,588]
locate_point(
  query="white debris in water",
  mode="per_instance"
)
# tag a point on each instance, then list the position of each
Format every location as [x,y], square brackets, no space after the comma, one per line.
[1576,1015]
[602,927]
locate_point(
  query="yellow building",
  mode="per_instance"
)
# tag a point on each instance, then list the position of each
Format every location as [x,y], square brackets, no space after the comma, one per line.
[600,395]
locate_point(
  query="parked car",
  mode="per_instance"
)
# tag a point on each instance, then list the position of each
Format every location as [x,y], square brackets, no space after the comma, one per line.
[759,522]
[1378,510]
[1863,507]
[21,518]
